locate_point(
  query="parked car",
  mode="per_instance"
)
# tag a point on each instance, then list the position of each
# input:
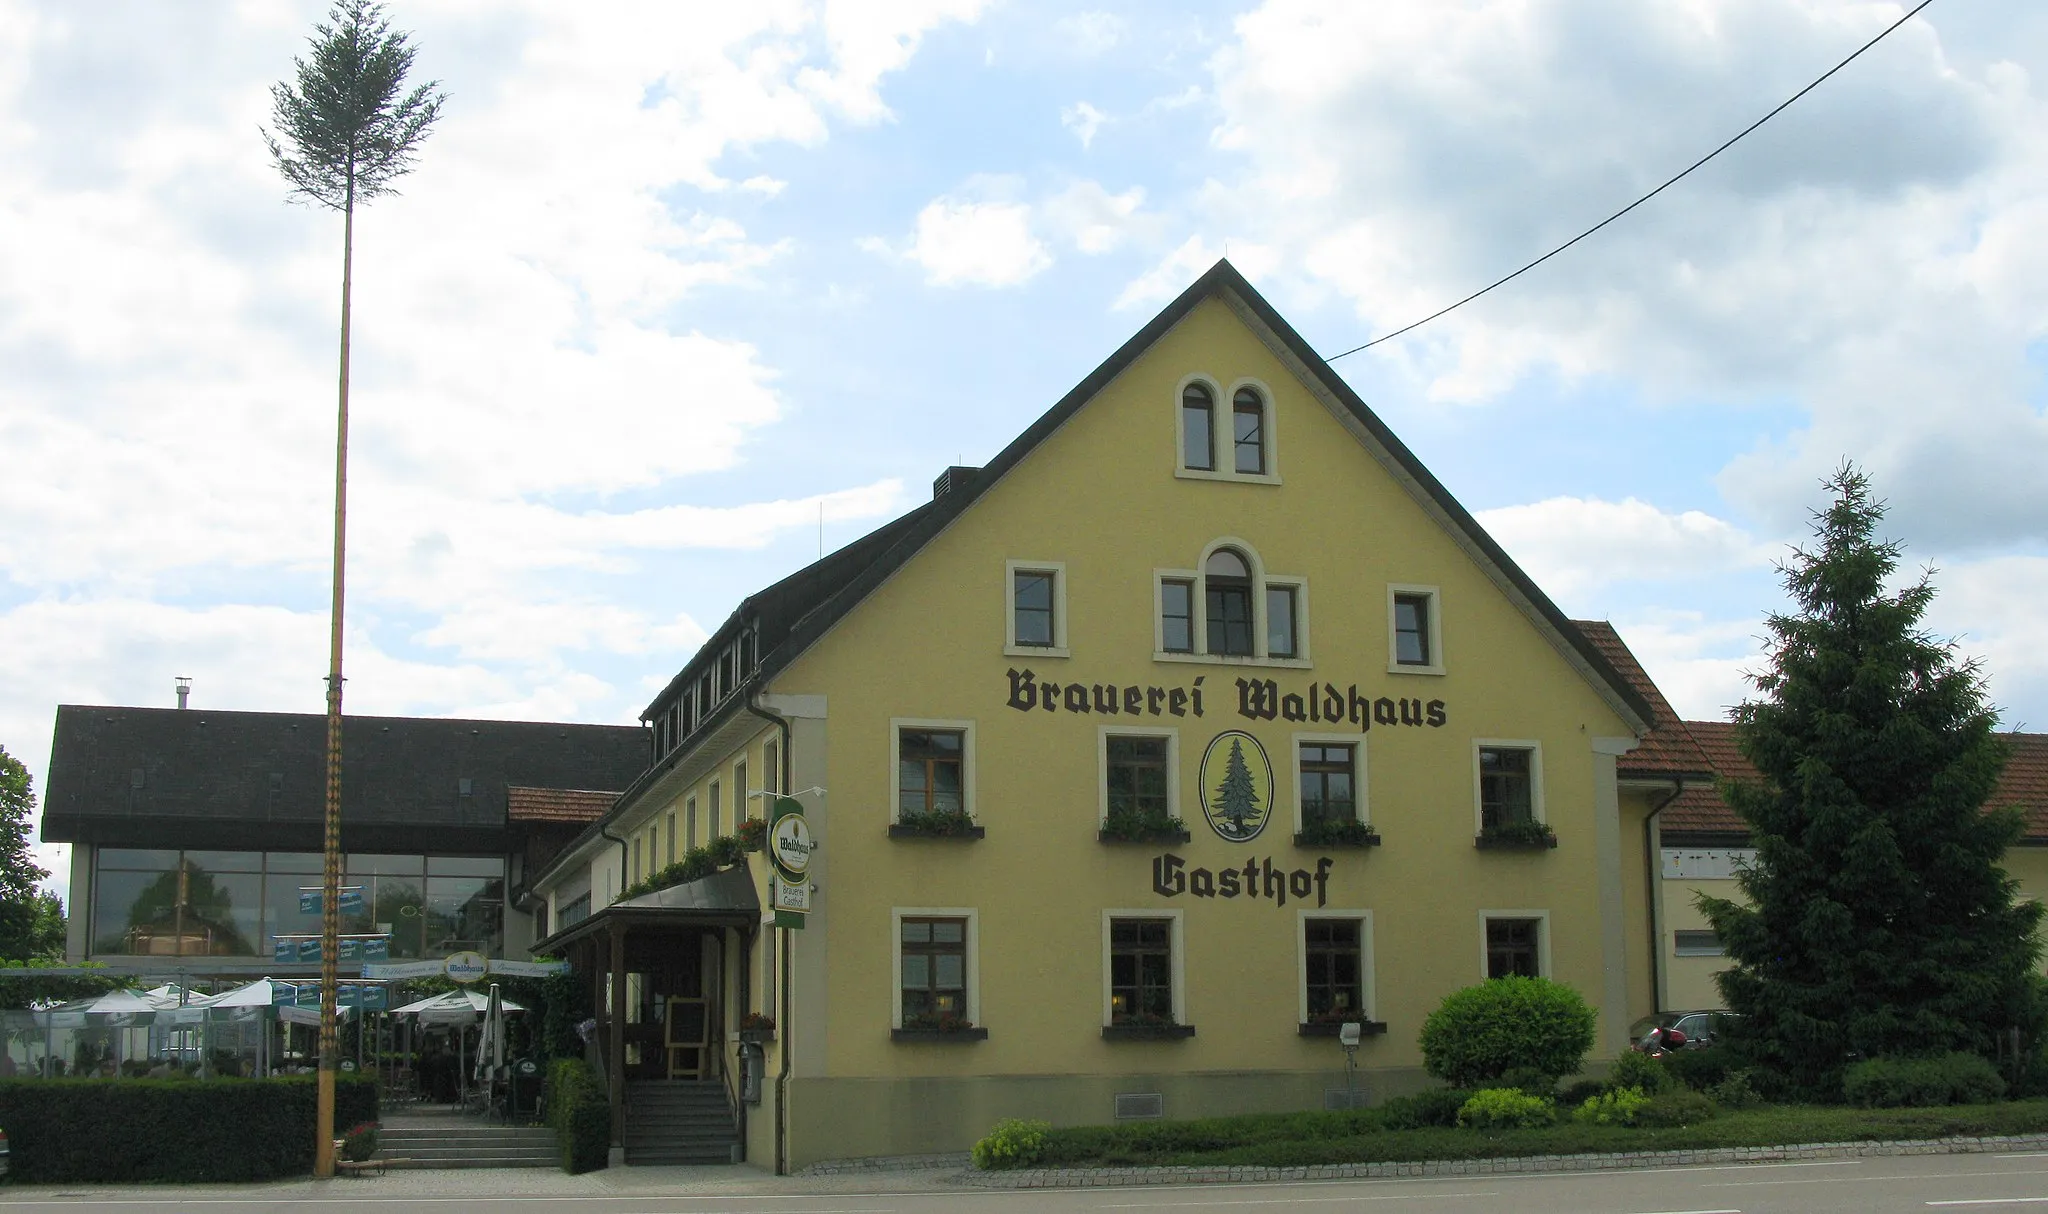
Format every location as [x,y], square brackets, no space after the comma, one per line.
[1700,1027]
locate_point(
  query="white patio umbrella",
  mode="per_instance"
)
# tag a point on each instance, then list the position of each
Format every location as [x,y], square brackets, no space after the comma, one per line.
[455,1007]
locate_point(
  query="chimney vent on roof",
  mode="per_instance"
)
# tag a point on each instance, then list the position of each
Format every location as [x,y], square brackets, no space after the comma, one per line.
[954,478]
[184,688]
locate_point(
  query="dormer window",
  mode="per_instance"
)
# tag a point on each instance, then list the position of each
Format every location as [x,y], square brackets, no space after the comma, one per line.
[1197,428]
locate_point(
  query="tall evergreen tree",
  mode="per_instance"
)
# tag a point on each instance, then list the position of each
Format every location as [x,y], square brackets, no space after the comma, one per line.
[23,913]
[1879,921]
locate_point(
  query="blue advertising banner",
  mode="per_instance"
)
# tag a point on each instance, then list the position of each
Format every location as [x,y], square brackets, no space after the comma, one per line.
[350,900]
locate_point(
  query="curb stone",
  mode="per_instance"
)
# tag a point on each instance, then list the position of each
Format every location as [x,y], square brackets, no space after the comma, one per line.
[1089,1178]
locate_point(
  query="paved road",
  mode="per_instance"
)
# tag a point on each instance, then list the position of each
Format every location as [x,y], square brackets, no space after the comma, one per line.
[1923,1184]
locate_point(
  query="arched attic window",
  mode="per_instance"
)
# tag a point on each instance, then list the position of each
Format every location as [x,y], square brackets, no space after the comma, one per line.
[1248,431]
[1227,594]
[1197,428]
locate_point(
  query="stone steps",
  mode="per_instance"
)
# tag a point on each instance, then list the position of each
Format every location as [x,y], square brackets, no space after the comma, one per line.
[680,1122]
[469,1146]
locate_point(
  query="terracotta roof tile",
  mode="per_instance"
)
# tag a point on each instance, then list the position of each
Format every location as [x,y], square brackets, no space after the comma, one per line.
[577,805]
[2025,782]
[1667,749]
[1700,809]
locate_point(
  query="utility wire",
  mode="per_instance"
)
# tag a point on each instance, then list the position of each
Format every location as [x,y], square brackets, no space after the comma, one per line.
[1782,106]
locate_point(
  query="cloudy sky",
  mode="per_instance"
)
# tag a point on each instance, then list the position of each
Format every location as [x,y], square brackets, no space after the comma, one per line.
[674,279]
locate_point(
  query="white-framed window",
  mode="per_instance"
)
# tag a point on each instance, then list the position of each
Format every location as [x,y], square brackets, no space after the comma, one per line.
[1697,942]
[636,862]
[717,813]
[1225,433]
[742,804]
[1507,782]
[1143,967]
[936,963]
[1514,942]
[1035,609]
[1415,629]
[1229,609]
[1138,770]
[1329,778]
[931,767]
[670,855]
[771,767]
[1334,965]
[690,823]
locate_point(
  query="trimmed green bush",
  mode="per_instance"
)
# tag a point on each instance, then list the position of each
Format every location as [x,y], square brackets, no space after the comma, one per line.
[1530,1080]
[1677,1107]
[580,1114]
[1012,1143]
[1431,1107]
[1616,1106]
[61,1131]
[1506,1109]
[1891,1083]
[1700,1067]
[1735,1092]
[1640,1071]
[1482,1032]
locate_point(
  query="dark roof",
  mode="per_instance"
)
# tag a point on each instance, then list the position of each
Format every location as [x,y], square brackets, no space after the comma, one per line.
[147,777]
[1668,748]
[1699,810]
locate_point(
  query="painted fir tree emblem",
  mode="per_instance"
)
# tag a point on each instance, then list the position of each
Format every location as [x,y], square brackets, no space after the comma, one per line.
[1237,786]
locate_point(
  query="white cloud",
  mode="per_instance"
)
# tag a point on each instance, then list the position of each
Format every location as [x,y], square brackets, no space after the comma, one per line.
[527,409]
[1084,120]
[983,244]
[1090,33]
[1570,545]
[1700,664]
[1186,263]
[1095,220]
[1875,253]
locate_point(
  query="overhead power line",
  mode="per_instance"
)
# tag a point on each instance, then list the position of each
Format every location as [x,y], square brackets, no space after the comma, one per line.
[1680,176]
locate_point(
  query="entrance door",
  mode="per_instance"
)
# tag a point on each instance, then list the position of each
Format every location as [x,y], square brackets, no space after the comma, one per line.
[672,1015]
[689,1035]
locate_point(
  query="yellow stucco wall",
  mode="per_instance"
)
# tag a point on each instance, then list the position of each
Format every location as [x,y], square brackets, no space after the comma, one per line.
[1101,497]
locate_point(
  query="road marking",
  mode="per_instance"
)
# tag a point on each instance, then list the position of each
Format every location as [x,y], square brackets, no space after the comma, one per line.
[1297,1201]
[1990,1201]
[1751,1184]
[2023,1155]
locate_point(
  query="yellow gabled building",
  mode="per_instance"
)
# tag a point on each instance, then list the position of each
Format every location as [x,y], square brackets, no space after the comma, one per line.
[1200,721]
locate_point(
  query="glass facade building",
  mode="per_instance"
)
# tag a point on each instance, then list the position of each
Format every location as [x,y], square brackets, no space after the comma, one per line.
[166,903]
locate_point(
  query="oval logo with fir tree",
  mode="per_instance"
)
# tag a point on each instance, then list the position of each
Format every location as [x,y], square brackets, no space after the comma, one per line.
[1237,786]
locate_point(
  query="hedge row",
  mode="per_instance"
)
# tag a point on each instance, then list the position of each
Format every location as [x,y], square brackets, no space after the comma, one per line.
[66,1130]
[581,1115]
[1371,1136]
